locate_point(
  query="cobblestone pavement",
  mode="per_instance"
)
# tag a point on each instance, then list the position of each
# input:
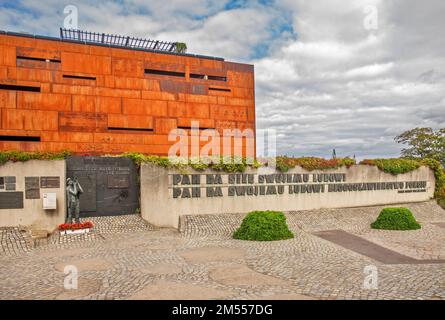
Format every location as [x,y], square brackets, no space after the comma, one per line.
[14,241]
[203,262]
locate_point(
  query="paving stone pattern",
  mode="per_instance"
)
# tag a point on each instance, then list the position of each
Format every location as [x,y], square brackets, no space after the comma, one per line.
[204,262]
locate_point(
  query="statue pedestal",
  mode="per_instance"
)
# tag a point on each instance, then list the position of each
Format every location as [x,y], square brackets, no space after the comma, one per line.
[77,231]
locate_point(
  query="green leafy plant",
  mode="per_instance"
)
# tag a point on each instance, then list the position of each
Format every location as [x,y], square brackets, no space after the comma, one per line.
[219,164]
[399,166]
[263,226]
[394,166]
[16,156]
[181,47]
[423,143]
[395,219]
[439,174]
[284,163]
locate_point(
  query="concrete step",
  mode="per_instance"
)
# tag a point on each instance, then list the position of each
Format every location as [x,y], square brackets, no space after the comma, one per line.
[38,234]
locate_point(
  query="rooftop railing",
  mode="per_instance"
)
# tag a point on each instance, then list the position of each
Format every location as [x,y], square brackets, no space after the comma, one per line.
[117,40]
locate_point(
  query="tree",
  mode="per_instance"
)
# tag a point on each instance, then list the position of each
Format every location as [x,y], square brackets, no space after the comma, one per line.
[423,143]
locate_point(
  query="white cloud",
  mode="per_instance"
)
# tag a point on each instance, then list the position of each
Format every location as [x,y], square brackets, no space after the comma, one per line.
[356,89]
[330,84]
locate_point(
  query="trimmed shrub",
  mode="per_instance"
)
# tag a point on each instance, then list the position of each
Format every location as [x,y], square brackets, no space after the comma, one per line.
[442,203]
[395,219]
[263,226]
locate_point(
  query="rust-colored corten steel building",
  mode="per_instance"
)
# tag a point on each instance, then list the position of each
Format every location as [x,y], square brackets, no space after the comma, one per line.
[88,98]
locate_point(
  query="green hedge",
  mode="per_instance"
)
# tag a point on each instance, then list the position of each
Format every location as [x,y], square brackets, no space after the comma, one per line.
[284,163]
[263,226]
[394,166]
[16,156]
[399,166]
[227,164]
[395,219]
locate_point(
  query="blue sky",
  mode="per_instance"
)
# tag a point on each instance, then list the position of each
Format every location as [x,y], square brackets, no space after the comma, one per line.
[323,80]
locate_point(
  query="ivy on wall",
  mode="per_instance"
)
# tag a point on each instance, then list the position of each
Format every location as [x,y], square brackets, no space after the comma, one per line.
[283,163]
[215,163]
[399,166]
[19,156]
[312,163]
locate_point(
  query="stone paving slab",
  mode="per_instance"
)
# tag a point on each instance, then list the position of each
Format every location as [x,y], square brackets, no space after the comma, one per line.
[94,264]
[204,262]
[368,248]
[241,275]
[168,290]
[206,254]
[440,224]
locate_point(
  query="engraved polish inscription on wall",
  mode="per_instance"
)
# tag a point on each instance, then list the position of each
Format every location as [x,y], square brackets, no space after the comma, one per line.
[235,185]
[9,183]
[118,181]
[49,182]
[11,200]
[32,188]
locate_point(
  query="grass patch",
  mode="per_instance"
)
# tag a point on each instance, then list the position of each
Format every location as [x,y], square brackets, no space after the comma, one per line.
[395,219]
[263,226]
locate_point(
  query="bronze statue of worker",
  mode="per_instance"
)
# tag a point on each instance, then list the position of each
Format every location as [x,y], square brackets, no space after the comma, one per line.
[73,192]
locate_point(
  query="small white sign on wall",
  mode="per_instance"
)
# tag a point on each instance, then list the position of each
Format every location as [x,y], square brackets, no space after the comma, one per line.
[49,201]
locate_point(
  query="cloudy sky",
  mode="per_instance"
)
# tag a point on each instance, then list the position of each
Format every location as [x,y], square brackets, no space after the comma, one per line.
[328,74]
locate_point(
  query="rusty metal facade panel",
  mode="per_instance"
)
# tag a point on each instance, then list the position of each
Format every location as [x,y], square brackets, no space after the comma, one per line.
[92,99]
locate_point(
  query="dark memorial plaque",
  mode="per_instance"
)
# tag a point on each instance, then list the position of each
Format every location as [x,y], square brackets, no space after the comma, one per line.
[49,182]
[10,180]
[11,200]
[9,183]
[10,186]
[110,185]
[32,188]
[118,181]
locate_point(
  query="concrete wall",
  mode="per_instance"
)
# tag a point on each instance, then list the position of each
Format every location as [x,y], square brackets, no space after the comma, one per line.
[163,199]
[32,215]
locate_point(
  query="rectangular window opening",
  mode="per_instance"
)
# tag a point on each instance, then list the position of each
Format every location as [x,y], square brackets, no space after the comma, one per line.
[69,76]
[207,77]
[130,129]
[220,89]
[19,88]
[39,59]
[217,78]
[20,138]
[197,76]
[189,128]
[165,73]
